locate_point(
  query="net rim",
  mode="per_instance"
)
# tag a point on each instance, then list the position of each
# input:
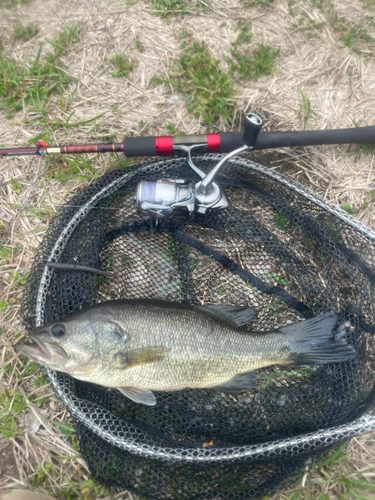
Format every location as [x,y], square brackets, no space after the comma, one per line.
[279,448]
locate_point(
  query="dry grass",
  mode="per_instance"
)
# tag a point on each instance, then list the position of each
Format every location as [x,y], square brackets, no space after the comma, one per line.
[338,84]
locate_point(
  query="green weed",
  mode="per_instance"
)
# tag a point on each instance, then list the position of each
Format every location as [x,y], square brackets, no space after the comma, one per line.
[139,46]
[348,207]
[84,489]
[8,4]
[123,65]
[40,381]
[5,253]
[67,169]
[18,279]
[310,244]
[67,37]
[33,83]
[366,204]
[40,475]
[368,4]
[4,305]
[350,33]
[25,33]
[245,35]
[166,7]
[171,128]
[207,88]
[126,260]
[365,148]
[10,404]
[55,125]
[15,185]
[262,62]
[281,220]
[307,24]
[305,110]
[257,3]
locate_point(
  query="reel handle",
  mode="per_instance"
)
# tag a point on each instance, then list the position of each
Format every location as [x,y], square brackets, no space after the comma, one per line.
[253,124]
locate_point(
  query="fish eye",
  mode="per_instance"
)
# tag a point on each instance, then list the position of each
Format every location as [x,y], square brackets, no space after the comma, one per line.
[58,330]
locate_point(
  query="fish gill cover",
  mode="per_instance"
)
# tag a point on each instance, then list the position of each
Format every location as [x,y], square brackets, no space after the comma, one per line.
[279,249]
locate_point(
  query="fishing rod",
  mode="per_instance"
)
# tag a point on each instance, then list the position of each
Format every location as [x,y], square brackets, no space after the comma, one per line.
[222,142]
[182,197]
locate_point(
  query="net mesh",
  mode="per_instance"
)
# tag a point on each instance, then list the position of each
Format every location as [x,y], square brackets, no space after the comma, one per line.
[279,248]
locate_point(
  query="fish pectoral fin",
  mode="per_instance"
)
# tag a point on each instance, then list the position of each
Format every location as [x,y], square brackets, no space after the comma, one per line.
[138,395]
[239,383]
[141,356]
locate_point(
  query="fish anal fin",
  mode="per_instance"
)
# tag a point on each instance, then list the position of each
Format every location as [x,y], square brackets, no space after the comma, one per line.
[140,356]
[142,396]
[239,383]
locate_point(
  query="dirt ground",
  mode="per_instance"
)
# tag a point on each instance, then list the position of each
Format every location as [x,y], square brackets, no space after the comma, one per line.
[319,83]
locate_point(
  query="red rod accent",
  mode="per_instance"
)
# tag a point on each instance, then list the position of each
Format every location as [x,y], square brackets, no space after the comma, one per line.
[213,143]
[164,145]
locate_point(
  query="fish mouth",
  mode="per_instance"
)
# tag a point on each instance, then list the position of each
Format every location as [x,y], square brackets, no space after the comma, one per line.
[31,346]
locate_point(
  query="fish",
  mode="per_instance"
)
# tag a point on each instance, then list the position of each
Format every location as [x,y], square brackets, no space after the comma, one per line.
[143,345]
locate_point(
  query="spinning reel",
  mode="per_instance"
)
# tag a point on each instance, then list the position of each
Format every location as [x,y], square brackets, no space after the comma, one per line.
[181,198]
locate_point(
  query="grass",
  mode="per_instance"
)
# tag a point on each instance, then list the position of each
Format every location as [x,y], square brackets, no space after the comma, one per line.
[15,185]
[245,35]
[281,220]
[305,110]
[123,66]
[209,91]
[328,475]
[139,46]
[64,169]
[32,83]
[25,33]
[167,7]
[351,209]
[258,3]
[261,62]
[350,33]
[368,4]
[8,4]
[307,24]
[67,37]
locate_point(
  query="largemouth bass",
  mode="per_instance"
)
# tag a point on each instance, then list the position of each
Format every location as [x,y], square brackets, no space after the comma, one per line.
[139,346]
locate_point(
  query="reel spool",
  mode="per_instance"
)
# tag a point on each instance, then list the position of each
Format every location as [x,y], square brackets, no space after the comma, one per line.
[276,246]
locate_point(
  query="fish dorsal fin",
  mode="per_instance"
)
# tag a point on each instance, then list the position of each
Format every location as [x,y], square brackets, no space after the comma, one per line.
[140,356]
[142,396]
[236,316]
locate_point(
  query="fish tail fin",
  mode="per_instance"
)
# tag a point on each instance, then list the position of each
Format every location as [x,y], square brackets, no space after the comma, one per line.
[313,342]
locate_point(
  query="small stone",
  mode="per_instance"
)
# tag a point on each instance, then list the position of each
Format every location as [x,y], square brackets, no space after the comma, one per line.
[283,400]
[246,400]
[209,407]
